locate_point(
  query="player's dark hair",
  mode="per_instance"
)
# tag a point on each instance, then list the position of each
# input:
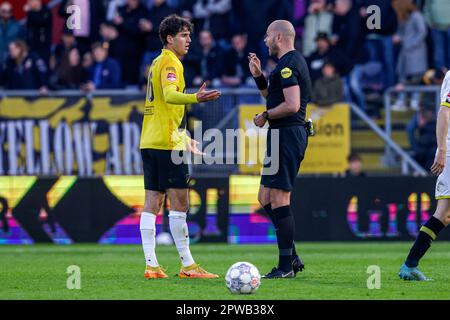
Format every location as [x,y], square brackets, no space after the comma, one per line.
[97,45]
[354,157]
[171,25]
[22,45]
[328,62]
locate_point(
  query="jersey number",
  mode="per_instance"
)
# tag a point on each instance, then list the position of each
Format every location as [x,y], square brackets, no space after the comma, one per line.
[150,96]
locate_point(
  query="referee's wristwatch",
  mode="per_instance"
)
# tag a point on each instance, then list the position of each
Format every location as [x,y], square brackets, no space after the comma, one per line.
[265,115]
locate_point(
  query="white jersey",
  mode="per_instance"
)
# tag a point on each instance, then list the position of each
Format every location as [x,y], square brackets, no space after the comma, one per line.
[445,102]
[443,181]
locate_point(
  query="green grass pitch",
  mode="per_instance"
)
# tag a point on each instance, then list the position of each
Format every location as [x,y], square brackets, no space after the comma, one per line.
[333,271]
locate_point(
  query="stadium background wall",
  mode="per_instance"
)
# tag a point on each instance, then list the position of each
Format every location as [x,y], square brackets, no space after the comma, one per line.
[71,209]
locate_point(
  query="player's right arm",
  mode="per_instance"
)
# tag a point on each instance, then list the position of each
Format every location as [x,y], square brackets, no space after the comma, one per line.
[441,136]
[170,80]
[442,128]
[256,71]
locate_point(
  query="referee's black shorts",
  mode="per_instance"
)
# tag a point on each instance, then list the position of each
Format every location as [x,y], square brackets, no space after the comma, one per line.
[292,146]
[160,171]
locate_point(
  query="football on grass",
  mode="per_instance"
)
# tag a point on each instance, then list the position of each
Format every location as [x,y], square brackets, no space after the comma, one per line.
[243,278]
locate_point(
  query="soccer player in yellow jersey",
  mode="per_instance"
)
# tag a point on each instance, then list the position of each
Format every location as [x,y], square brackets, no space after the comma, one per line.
[163,136]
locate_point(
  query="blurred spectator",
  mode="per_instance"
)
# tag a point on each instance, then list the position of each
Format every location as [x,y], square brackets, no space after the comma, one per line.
[423,138]
[379,40]
[10,30]
[236,71]
[39,29]
[110,38]
[67,43]
[213,15]
[131,22]
[299,11]
[348,31]
[348,36]
[94,13]
[253,19]
[88,60]
[329,89]
[172,3]
[318,20]
[372,76]
[105,72]
[157,13]
[282,10]
[131,38]
[355,166]
[325,52]
[437,15]
[210,60]
[191,64]
[111,8]
[431,77]
[24,70]
[412,59]
[185,9]
[70,73]
[420,4]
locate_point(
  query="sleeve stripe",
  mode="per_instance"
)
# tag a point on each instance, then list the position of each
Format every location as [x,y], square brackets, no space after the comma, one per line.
[445,104]
[288,85]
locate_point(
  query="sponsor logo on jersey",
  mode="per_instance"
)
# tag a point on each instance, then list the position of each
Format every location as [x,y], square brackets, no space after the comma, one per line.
[171,76]
[286,73]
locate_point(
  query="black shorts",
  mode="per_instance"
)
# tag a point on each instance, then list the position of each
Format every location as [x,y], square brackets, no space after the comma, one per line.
[161,173]
[292,146]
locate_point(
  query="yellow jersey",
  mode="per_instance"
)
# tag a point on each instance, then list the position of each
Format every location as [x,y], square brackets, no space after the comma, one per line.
[164,124]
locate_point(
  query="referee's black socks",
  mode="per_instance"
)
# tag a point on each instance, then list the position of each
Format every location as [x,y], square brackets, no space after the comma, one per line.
[427,235]
[285,236]
[269,211]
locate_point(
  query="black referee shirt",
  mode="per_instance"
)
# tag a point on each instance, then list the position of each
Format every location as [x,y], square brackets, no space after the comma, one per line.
[291,70]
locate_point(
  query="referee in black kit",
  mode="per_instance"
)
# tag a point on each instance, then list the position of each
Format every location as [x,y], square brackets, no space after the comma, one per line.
[287,95]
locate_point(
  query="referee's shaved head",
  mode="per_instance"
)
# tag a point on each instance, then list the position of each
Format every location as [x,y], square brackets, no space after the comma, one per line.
[280,37]
[284,27]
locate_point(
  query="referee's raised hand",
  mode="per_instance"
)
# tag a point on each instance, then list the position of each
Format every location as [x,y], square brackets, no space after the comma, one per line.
[204,95]
[254,65]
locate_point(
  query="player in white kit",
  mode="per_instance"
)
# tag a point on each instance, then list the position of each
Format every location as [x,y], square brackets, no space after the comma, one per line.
[441,218]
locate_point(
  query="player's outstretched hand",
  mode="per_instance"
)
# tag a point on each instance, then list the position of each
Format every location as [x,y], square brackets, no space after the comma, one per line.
[204,95]
[439,163]
[254,65]
[192,147]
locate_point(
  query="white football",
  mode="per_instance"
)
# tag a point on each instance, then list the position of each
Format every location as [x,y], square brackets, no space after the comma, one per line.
[242,278]
[164,238]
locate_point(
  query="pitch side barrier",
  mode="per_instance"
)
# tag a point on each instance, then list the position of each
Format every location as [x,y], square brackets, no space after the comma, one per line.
[70,209]
[89,135]
[74,133]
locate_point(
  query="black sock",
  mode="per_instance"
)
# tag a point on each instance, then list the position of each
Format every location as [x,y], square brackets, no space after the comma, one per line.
[285,236]
[269,211]
[427,235]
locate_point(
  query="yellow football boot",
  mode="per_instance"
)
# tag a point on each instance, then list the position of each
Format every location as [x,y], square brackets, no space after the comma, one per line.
[155,273]
[195,271]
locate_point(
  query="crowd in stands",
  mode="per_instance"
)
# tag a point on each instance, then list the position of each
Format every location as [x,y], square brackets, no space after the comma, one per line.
[349,55]
[118,39]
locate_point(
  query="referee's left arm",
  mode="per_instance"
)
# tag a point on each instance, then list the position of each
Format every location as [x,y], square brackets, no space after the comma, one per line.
[290,106]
